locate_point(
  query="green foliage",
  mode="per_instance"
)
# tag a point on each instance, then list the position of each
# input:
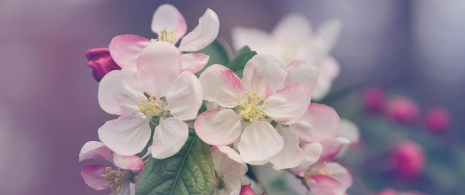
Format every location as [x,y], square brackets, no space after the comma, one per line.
[190,171]
[219,53]
[241,58]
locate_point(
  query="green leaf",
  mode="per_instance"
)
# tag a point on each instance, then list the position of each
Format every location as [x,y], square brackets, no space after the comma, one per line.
[219,53]
[190,171]
[242,57]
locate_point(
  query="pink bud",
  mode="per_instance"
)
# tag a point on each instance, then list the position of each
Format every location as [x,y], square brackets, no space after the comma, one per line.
[99,59]
[408,160]
[437,120]
[387,191]
[246,190]
[402,109]
[373,100]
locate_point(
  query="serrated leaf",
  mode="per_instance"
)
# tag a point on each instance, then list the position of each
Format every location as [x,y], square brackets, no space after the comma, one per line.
[219,53]
[190,171]
[242,57]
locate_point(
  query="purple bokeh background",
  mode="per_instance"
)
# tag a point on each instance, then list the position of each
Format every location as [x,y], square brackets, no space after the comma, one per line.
[48,98]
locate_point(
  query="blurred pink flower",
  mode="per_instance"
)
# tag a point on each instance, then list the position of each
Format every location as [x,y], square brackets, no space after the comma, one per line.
[408,160]
[373,100]
[329,178]
[437,120]
[246,190]
[388,191]
[402,109]
[99,59]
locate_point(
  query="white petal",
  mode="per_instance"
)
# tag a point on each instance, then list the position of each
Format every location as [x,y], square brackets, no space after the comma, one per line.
[291,155]
[218,127]
[158,66]
[258,40]
[168,17]
[329,68]
[264,74]
[125,49]
[227,161]
[319,123]
[323,87]
[311,154]
[339,173]
[95,150]
[221,85]
[288,105]
[259,143]
[118,94]
[327,35]
[169,137]
[194,62]
[127,135]
[332,148]
[349,130]
[203,34]
[292,34]
[185,97]
[133,163]
[300,71]
[325,185]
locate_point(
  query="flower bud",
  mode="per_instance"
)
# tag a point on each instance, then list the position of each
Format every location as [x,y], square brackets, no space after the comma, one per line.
[437,120]
[387,191]
[403,110]
[99,59]
[373,100]
[246,190]
[408,160]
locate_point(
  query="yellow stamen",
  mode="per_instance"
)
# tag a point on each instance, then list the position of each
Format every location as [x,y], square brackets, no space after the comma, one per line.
[252,106]
[116,179]
[168,36]
[151,107]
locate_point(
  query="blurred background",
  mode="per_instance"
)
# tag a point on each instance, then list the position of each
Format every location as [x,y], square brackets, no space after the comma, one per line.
[48,98]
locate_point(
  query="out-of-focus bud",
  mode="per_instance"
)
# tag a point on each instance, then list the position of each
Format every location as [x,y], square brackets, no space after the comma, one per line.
[387,191]
[373,100]
[402,109]
[99,59]
[246,190]
[437,120]
[408,160]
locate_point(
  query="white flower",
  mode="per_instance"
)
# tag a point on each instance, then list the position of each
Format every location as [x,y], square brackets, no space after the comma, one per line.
[293,39]
[157,91]
[249,105]
[170,27]
[229,169]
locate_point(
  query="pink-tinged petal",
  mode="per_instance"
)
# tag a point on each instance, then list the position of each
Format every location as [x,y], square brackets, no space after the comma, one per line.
[92,176]
[323,87]
[203,34]
[349,130]
[127,135]
[194,62]
[259,143]
[300,71]
[319,123]
[264,74]
[185,97]
[291,155]
[258,40]
[287,106]
[101,62]
[169,137]
[291,41]
[387,192]
[311,154]
[329,68]
[227,161]
[221,85]
[95,150]
[133,163]
[325,185]
[168,17]
[339,173]
[327,35]
[118,94]
[332,148]
[246,190]
[125,49]
[158,66]
[218,127]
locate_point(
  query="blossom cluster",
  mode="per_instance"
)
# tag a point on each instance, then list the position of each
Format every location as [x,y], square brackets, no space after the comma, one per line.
[259,114]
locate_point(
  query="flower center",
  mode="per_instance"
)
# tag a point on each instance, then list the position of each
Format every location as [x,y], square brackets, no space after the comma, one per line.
[167,36]
[116,179]
[151,107]
[252,106]
[320,171]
